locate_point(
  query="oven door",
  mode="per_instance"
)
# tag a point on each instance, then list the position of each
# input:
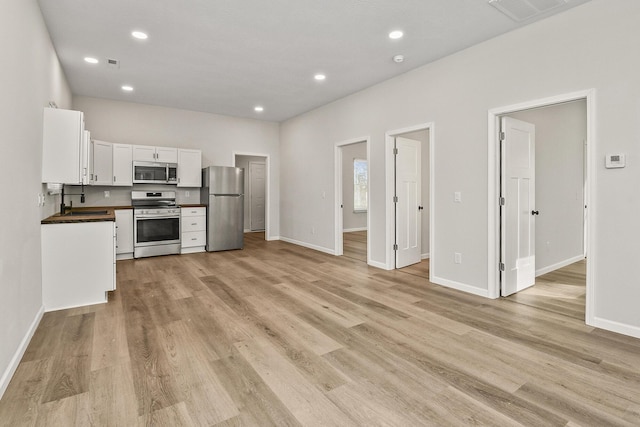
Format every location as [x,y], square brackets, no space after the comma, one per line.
[155,230]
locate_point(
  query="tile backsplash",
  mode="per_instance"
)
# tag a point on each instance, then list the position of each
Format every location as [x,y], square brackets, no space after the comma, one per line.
[121,196]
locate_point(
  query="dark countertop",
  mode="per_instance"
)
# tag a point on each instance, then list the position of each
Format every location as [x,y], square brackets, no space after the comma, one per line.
[78,215]
[109,216]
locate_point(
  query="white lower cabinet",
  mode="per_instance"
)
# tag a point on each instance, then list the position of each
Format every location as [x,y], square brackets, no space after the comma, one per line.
[193,226]
[124,233]
[78,264]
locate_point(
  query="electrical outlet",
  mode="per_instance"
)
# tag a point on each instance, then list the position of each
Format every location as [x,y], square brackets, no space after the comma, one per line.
[107,194]
[457,197]
[186,194]
[457,258]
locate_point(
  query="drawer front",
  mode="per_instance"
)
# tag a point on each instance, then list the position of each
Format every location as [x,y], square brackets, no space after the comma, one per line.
[193,223]
[193,211]
[194,238]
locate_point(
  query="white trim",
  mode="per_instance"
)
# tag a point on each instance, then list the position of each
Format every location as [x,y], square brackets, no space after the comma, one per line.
[272,238]
[554,267]
[267,204]
[17,356]
[493,256]
[308,245]
[425,256]
[459,286]
[349,230]
[620,328]
[389,179]
[377,264]
[338,217]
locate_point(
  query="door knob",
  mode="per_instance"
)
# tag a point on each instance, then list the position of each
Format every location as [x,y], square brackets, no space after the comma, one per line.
[535,213]
[420,208]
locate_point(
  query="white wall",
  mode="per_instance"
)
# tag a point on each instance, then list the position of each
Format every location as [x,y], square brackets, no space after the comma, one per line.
[219,137]
[591,46]
[351,220]
[561,131]
[30,77]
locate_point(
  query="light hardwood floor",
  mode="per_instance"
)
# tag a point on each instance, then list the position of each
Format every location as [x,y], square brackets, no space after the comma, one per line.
[280,335]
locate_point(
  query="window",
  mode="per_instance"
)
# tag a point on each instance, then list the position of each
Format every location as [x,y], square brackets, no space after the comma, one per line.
[360,186]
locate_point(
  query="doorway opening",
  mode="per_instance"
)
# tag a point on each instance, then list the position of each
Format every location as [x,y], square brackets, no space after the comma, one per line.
[352,199]
[409,165]
[256,187]
[555,216]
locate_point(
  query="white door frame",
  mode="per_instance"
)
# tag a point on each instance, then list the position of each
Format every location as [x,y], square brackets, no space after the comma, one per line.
[493,250]
[267,202]
[390,183]
[338,240]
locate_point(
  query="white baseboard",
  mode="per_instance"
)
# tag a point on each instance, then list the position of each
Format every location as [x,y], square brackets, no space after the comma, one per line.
[377,264]
[349,230]
[425,256]
[15,360]
[308,245]
[553,267]
[271,238]
[613,326]
[460,286]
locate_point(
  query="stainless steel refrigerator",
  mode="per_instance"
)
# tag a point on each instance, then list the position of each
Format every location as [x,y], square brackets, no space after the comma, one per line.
[223,193]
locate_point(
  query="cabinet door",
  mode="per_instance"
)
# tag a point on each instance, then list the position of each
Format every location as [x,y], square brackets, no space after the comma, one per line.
[102,163]
[124,231]
[122,165]
[63,131]
[144,153]
[167,154]
[189,168]
[86,167]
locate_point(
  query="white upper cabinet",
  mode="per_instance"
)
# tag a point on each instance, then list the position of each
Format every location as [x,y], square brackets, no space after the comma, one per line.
[166,154]
[189,168]
[122,165]
[102,162]
[145,153]
[62,138]
[85,159]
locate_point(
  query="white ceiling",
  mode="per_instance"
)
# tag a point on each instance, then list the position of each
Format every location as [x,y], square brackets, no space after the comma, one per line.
[227,56]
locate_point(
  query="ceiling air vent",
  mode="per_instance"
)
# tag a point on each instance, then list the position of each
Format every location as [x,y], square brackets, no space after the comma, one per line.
[113,63]
[522,10]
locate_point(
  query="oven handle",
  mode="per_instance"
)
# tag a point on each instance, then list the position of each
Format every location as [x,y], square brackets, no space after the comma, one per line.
[157,217]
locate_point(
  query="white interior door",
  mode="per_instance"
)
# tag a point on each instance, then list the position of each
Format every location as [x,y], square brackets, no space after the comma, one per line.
[408,221]
[517,214]
[257,188]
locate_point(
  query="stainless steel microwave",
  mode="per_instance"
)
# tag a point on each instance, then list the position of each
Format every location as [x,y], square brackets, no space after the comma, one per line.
[155,173]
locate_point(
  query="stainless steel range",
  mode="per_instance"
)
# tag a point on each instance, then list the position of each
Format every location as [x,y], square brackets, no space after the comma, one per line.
[156,223]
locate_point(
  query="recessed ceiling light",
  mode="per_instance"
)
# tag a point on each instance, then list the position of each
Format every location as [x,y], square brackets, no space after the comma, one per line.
[396,34]
[398,58]
[139,35]
[90,60]
[127,88]
[319,77]
[258,109]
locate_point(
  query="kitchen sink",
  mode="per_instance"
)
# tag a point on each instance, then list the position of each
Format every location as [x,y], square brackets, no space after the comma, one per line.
[83,213]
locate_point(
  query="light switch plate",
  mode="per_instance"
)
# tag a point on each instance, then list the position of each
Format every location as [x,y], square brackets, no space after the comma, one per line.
[457,197]
[613,161]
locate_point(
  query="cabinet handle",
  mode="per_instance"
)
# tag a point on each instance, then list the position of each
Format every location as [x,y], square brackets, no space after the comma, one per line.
[194,223]
[194,238]
[114,179]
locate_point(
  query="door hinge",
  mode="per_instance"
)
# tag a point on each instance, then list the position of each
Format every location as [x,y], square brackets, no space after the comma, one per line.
[395,247]
[395,151]
[502,201]
[395,199]
[501,266]
[502,136]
